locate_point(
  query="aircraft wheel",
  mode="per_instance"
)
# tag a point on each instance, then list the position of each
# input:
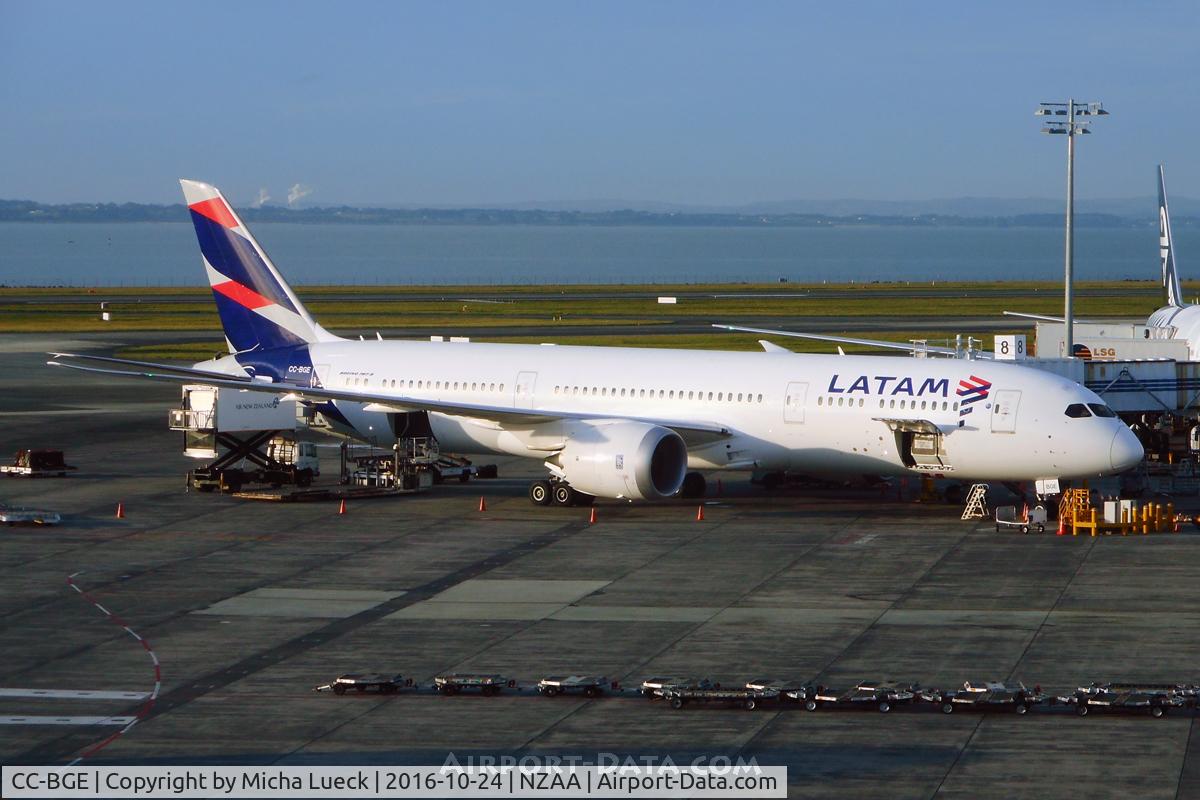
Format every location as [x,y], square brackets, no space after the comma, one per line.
[539,493]
[1021,708]
[810,705]
[677,703]
[1081,709]
[947,708]
[1156,711]
[750,704]
[564,495]
[885,707]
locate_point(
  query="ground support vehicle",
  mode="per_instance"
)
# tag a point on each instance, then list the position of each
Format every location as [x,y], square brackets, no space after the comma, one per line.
[1010,517]
[409,465]
[37,464]
[1154,699]
[383,683]
[788,691]
[653,688]
[589,685]
[283,461]
[868,694]
[454,683]
[985,696]
[748,699]
[28,516]
[451,467]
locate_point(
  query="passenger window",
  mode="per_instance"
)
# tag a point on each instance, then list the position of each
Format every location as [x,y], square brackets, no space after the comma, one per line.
[892,403]
[820,401]
[671,395]
[760,398]
[1077,411]
[860,402]
[840,401]
[661,394]
[691,395]
[710,396]
[1101,410]
[739,397]
[955,406]
[502,387]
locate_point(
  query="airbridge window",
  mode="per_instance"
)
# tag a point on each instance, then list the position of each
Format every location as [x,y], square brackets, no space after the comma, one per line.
[1077,411]
[1101,410]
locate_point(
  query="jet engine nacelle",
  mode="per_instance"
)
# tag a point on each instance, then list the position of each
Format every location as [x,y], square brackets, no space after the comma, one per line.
[635,460]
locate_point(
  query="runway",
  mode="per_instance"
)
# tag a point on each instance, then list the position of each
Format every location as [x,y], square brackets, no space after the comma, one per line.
[249,605]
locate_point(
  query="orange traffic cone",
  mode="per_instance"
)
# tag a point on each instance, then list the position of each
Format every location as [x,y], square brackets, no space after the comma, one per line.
[700,513]
[120,511]
[1062,526]
[342,507]
[482,504]
[592,516]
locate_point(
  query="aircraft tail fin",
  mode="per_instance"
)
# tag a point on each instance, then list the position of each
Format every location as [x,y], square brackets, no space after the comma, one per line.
[1166,246]
[258,309]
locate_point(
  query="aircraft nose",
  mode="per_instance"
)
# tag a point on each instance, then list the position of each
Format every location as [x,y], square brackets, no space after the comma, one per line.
[1126,451]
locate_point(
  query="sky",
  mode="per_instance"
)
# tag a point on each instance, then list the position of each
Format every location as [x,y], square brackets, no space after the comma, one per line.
[707,104]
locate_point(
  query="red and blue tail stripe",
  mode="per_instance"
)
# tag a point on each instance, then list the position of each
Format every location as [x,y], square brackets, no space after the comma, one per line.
[257,308]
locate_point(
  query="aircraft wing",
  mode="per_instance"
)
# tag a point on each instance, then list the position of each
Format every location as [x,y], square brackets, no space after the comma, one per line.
[1044,317]
[823,337]
[693,433]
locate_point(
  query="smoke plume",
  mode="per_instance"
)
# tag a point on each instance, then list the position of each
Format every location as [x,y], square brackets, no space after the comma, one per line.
[297,193]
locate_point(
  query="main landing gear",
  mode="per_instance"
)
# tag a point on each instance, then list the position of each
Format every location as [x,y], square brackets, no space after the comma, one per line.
[559,493]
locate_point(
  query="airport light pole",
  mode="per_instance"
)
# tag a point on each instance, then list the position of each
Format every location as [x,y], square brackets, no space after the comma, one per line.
[1070,127]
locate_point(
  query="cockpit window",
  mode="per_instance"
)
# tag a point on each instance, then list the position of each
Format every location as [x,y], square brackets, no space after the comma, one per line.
[1101,410]
[1077,411]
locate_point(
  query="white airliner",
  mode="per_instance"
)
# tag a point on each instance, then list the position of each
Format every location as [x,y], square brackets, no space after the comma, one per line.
[632,422]
[1175,320]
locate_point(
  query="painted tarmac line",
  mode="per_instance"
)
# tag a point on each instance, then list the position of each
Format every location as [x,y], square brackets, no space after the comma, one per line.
[73,694]
[50,720]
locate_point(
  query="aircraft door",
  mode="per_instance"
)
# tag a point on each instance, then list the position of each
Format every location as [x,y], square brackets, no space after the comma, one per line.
[794,402]
[523,390]
[1004,411]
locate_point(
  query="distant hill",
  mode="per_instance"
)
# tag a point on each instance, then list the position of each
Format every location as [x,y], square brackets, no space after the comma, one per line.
[961,212]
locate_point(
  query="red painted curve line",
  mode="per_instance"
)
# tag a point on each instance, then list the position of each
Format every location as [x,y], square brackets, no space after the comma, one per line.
[149,704]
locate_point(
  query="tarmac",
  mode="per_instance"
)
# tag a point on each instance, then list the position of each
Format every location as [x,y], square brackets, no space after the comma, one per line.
[248,605]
